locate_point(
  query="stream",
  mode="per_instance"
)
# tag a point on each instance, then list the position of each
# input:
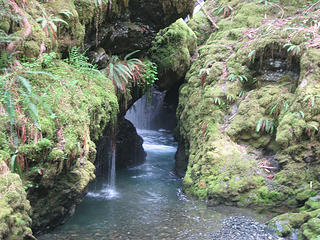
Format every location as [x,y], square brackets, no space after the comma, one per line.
[146,203]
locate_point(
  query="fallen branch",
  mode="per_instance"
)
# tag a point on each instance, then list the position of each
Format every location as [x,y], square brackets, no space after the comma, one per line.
[208,15]
[312,6]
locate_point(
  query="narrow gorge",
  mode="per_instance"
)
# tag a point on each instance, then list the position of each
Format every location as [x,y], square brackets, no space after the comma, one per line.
[163,119]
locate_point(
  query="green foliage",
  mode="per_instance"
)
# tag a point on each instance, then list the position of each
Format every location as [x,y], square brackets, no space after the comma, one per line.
[293,49]
[298,114]
[268,2]
[241,78]
[150,75]
[265,125]
[252,55]
[123,71]
[278,107]
[217,101]
[48,23]
[81,62]
[5,38]
[242,94]
[226,10]
[311,99]
[17,97]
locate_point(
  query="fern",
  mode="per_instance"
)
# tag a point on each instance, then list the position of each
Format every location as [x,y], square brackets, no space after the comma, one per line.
[293,49]
[16,91]
[251,55]
[265,125]
[48,23]
[122,71]
[81,62]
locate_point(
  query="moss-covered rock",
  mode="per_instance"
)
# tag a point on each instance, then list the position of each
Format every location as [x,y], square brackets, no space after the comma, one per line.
[303,224]
[249,101]
[172,50]
[15,221]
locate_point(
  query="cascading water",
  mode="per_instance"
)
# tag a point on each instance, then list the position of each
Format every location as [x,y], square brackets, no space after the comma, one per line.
[112,171]
[153,112]
[144,111]
[105,185]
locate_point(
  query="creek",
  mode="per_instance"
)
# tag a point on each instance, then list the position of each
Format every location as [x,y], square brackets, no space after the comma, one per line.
[147,203]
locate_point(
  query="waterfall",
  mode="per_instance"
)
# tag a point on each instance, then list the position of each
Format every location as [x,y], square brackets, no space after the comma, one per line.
[105,169]
[196,9]
[112,169]
[143,114]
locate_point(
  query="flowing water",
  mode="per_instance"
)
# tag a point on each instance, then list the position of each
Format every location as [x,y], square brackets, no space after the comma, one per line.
[147,203]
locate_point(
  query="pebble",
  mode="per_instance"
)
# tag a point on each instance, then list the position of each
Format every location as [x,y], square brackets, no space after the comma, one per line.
[243,228]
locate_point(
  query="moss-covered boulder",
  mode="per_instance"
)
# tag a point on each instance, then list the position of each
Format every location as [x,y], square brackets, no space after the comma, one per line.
[250,101]
[303,224]
[172,50]
[15,221]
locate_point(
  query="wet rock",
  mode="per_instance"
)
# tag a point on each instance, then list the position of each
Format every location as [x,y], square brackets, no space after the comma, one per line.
[99,57]
[133,25]
[129,150]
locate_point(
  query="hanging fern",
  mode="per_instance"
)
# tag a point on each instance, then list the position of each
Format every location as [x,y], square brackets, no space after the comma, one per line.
[123,71]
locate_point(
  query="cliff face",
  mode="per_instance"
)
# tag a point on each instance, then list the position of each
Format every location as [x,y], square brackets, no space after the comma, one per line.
[248,115]
[69,105]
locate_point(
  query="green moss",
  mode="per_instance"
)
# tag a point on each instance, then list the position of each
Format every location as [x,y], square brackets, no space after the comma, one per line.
[311,229]
[172,50]
[14,208]
[200,25]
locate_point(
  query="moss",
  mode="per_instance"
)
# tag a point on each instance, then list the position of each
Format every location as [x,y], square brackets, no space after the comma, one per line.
[172,50]
[200,25]
[203,123]
[5,26]
[14,208]
[311,229]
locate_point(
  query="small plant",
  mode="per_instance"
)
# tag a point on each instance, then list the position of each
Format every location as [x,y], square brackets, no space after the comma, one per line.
[122,71]
[150,75]
[80,61]
[204,72]
[226,10]
[18,99]
[311,99]
[299,114]
[312,128]
[265,125]
[294,50]
[241,78]
[217,101]
[252,55]
[48,23]
[242,94]
[230,98]
[268,2]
